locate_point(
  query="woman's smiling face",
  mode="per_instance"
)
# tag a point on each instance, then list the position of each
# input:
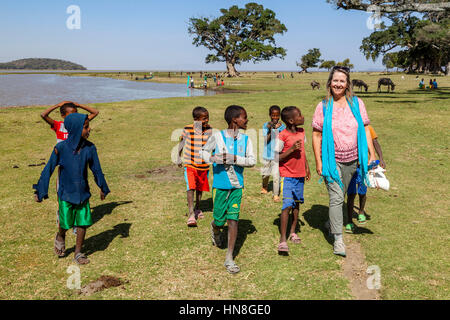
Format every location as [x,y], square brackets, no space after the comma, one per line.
[339,84]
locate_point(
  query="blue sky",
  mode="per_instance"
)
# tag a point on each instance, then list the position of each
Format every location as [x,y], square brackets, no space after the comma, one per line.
[152,34]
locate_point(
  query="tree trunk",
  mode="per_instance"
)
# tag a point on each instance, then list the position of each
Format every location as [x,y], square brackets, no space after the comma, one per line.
[231,70]
[447,69]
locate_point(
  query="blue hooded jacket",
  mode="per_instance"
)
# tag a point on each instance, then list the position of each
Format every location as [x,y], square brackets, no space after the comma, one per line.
[73,156]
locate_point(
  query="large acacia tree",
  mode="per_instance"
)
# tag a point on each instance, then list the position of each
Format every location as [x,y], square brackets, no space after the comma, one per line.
[239,35]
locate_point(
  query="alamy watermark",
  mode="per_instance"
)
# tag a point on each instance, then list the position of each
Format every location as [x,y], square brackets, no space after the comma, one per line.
[73,22]
[374,21]
[374,280]
[74,280]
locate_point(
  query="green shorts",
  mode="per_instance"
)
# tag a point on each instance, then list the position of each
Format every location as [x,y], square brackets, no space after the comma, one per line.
[74,215]
[227,205]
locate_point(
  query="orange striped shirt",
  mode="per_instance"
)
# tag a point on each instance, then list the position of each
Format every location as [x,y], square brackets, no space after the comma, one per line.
[194,141]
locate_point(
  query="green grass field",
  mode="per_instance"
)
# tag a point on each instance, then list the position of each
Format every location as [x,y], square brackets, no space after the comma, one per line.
[140,233]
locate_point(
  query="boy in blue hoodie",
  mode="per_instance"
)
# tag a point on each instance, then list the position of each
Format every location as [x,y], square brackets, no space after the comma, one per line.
[232,151]
[73,156]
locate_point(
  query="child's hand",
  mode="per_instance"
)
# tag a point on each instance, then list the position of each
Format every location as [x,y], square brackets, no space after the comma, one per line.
[308,174]
[297,145]
[382,164]
[102,195]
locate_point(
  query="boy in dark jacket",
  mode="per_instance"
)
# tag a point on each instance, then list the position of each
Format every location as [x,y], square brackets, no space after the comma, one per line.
[73,156]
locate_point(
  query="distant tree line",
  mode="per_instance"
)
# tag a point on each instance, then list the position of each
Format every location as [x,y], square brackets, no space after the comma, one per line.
[41,64]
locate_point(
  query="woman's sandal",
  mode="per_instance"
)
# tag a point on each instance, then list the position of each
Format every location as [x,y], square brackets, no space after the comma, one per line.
[294,238]
[60,247]
[283,247]
[80,258]
[232,267]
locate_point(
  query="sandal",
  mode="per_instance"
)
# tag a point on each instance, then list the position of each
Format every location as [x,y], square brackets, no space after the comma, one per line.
[80,258]
[192,222]
[60,247]
[283,247]
[361,218]
[350,228]
[232,267]
[215,238]
[199,214]
[294,238]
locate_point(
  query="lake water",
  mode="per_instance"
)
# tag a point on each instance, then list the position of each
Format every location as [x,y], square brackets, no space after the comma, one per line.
[49,89]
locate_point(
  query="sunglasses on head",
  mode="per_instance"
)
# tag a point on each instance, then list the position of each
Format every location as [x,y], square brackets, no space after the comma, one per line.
[347,69]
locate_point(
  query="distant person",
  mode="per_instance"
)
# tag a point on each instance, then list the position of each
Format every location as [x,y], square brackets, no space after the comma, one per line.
[341,140]
[65,108]
[73,156]
[232,152]
[271,130]
[294,170]
[435,84]
[357,187]
[431,84]
[422,83]
[196,170]
[205,84]
[222,83]
[214,78]
[192,83]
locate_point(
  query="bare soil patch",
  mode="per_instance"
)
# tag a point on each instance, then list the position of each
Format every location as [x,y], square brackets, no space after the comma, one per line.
[102,283]
[354,268]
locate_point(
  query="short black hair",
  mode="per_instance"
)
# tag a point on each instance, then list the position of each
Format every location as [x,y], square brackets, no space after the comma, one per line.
[286,113]
[64,107]
[198,111]
[233,112]
[274,107]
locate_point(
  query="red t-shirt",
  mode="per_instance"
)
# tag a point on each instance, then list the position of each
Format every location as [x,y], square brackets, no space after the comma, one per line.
[61,132]
[294,165]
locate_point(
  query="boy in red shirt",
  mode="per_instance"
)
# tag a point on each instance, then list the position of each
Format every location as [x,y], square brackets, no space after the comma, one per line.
[294,169]
[65,108]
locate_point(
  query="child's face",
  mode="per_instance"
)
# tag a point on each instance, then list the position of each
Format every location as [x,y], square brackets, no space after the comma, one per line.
[242,120]
[297,118]
[86,130]
[69,110]
[275,116]
[204,118]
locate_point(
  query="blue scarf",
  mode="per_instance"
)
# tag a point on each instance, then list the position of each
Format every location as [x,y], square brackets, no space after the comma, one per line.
[329,169]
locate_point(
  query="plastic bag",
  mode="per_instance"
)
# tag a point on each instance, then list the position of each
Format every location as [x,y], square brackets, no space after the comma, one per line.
[377,179]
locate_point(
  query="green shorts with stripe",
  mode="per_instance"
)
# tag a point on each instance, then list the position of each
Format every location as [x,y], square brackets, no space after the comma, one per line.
[227,205]
[74,215]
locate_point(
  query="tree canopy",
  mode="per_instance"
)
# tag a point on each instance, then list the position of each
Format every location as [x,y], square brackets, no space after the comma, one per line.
[310,60]
[419,32]
[239,35]
[327,64]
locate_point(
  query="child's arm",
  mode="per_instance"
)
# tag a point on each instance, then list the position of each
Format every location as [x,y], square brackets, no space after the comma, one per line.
[377,147]
[94,165]
[296,146]
[205,152]
[41,188]
[308,172]
[370,144]
[92,111]
[249,159]
[45,114]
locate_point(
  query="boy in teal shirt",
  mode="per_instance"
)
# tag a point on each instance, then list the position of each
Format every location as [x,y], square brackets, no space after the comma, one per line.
[232,151]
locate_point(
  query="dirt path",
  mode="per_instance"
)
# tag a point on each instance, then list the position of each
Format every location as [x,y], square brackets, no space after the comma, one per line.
[354,267]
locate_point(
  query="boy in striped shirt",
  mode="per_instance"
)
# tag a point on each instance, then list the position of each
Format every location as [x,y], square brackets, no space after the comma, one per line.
[196,171]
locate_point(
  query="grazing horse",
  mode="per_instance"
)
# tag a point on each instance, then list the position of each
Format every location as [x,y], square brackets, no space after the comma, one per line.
[315,84]
[386,82]
[359,83]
